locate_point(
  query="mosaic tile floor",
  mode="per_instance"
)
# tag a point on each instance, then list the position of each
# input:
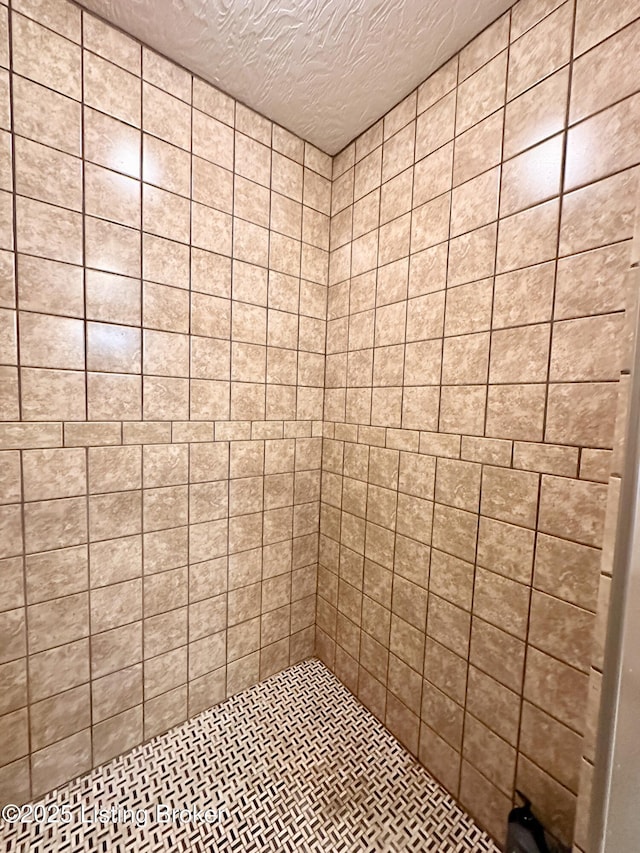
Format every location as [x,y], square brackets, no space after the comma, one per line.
[292,764]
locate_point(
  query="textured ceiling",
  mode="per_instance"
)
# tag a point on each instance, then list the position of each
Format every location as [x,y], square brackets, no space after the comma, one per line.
[325,69]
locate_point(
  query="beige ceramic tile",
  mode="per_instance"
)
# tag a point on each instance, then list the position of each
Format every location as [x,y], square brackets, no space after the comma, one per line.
[600,77]
[475,203]
[54,473]
[60,716]
[55,524]
[287,177]
[556,803]
[546,458]
[529,237]
[60,129]
[528,13]
[111,90]
[167,117]
[599,214]
[165,308]
[590,283]
[510,496]
[59,621]
[212,101]
[63,18]
[440,758]
[436,86]
[110,43]
[111,247]
[505,548]
[115,560]
[586,349]
[589,160]
[553,684]
[113,469]
[10,477]
[536,114]
[165,214]
[465,359]
[48,175]
[111,143]
[48,341]
[48,231]
[432,175]
[55,763]
[445,669]
[596,20]
[482,93]
[567,570]
[497,653]
[462,409]
[45,57]
[472,256]
[532,177]
[398,152]
[490,754]
[252,159]
[52,395]
[62,293]
[524,296]
[112,298]
[116,735]
[114,349]
[582,413]
[502,602]
[542,50]
[484,47]
[484,801]
[435,126]
[507,347]
[486,697]
[113,397]
[9,518]
[166,75]
[167,262]
[478,148]
[400,115]
[292,146]
[573,509]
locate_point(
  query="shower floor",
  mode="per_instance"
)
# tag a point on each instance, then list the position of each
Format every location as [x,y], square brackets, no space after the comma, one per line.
[294,763]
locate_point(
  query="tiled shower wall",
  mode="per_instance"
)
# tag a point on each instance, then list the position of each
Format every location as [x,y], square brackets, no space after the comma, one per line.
[480,239]
[163,319]
[162,333]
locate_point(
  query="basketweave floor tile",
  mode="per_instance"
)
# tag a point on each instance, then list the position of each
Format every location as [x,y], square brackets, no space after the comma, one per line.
[292,765]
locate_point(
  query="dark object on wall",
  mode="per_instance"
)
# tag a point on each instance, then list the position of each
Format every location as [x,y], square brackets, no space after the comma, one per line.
[525,833]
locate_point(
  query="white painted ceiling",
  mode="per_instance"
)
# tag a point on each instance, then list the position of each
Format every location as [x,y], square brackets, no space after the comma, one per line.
[324,69]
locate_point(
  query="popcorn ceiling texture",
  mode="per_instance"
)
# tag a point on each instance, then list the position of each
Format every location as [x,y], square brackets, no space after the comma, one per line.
[325,69]
[187,425]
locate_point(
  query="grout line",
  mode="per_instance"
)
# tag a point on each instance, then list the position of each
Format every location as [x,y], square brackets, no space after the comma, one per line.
[228,444]
[143,621]
[16,296]
[436,472]
[265,365]
[86,391]
[418,714]
[189,445]
[561,194]
[343,477]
